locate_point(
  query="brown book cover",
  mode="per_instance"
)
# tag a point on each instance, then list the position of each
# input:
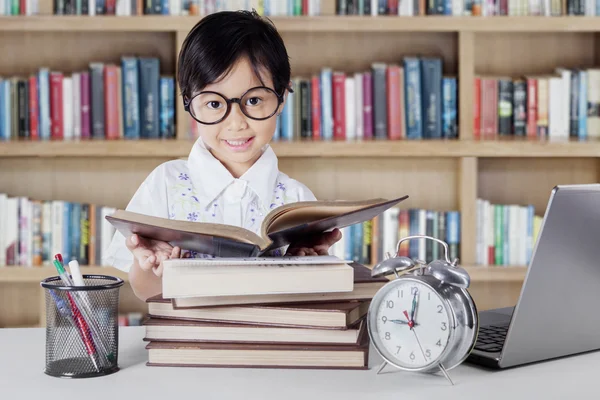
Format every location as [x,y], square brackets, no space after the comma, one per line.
[365,288]
[171,330]
[339,315]
[283,225]
[258,355]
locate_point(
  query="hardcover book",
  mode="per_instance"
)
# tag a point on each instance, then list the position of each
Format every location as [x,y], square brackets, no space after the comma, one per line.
[283,225]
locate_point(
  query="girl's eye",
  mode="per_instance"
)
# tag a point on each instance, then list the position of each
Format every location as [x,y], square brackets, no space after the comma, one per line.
[215,105]
[253,101]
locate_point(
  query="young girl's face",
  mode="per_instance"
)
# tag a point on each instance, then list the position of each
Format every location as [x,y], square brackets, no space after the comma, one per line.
[237,141]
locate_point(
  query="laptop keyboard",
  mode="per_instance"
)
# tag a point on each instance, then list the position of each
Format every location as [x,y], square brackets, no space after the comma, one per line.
[491,338]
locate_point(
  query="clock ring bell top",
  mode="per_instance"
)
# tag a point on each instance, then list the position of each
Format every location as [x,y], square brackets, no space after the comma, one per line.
[425,320]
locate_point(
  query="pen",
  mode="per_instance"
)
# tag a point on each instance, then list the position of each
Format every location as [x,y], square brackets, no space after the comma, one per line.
[83,310]
[77,323]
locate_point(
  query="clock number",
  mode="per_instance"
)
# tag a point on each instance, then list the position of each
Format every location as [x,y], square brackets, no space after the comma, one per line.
[400,293]
[390,304]
[387,336]
[412,355]
[440,308]
[384,319]
[439,343]
[428,353]
[429,296]
[444,327]
[413,290]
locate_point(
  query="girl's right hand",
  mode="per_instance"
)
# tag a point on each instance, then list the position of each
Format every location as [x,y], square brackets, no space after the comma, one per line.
[150,253]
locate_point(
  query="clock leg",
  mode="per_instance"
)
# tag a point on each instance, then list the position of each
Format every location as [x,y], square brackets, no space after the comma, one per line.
[446,373]
[381,367]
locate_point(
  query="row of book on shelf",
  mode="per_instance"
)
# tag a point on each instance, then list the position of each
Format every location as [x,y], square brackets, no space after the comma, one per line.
[367,243]
[157,7]
[106,101]
[458,8]
[412,99]
[506,233]
[33,231]
[562,104]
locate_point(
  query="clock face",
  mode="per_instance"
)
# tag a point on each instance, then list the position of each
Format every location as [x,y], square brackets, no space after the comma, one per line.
[410,324]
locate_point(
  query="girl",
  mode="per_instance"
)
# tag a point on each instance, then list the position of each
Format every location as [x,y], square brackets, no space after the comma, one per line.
[234,75]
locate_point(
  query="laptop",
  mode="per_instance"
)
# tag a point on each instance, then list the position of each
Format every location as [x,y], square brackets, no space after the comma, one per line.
[558,310]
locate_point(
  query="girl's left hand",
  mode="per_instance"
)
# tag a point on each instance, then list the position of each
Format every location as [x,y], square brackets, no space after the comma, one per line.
[316,245]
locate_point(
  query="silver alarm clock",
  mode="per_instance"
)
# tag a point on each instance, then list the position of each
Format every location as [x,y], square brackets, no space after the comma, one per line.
[425,320]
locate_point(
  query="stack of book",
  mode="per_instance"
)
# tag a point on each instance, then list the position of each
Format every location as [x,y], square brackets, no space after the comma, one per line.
[277,312]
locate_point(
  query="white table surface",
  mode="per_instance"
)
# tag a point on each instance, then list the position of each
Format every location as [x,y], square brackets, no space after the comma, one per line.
[22,357]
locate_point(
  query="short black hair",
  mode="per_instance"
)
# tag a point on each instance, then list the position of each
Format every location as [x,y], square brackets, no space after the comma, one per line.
[220,39]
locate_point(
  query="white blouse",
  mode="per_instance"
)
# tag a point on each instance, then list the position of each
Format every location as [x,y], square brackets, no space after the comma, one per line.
[202,189]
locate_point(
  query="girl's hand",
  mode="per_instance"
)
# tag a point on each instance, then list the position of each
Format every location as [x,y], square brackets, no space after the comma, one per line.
[151,253]
[315,245]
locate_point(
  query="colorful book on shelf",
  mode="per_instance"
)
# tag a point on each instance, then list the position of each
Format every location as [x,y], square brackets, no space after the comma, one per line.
[339,315]
[283,225]
[364,288]
[242,276]
[163,330]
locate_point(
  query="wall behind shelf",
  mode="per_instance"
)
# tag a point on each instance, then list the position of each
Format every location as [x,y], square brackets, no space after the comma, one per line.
[72,51]
[530,180]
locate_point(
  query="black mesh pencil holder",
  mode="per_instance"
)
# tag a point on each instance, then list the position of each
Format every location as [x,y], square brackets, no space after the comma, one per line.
[82,331]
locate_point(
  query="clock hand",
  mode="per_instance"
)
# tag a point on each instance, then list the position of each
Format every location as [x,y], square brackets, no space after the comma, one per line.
[414,306]
[419,343]
[399,321]
[410,321]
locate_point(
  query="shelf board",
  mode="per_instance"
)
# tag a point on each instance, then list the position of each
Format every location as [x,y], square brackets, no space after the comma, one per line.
[325,23]
[17,274]
[307,148]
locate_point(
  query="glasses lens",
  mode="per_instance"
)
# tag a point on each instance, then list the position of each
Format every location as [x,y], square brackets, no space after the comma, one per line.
[259,103]
[208,107]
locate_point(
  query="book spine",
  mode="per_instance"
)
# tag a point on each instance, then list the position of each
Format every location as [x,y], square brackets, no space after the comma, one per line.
[394,113]
[449,108]
[84,106]
[505,104]
[167,107]
[131,100]
[97,99]
[520,107]
[34,132]
[149,97]
[56,105]
[111,112]
[414,119]
[316,107]
[379,101]
[367,105]
[84,228]
[431,73]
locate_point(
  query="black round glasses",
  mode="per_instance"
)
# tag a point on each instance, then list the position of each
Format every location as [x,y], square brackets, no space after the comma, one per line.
[258,103]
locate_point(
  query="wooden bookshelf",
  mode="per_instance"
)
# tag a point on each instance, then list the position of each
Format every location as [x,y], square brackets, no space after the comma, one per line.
[308,148]
[436,174]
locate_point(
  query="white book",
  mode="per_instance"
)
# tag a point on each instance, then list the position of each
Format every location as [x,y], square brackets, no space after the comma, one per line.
[24,232]
[57,227]
[47,255]
[76,105]
[565,107]
[390,230]
[208,277]
[350,104]
[554,107]
[3,222]
[11,240]
[68,107]
[374,7]
[2,11]
[107,231]
[91,7]
[422,231]
[175,7]
[358,105]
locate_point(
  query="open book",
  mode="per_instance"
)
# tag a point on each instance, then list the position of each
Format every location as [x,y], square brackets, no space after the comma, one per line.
[283,225]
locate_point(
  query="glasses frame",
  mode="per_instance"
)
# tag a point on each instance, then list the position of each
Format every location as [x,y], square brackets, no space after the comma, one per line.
[186,104]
